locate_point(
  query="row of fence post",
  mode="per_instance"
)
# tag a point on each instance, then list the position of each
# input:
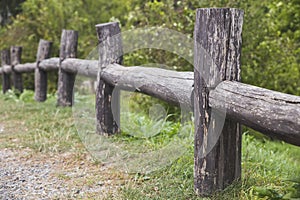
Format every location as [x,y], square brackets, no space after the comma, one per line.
[107,120]
[12,57]
[217,34]
[68,49]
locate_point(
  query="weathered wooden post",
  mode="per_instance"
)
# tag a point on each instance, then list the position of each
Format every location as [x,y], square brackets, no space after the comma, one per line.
[15,59]
[68,49]
[5,60]
[40,76]
[110,51]
[217,37]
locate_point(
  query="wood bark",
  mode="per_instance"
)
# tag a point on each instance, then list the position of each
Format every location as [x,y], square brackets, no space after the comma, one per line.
[25,68]
[50,64]
[170,86]
[7,69]
[5,60]
[40,75]
[216,58]
[176,88]
[15,58]
[87,68]
[20,68]
[107,96]
[272,113]
[68,49]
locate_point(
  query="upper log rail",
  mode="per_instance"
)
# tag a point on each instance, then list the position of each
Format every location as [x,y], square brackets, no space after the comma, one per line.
[273,113]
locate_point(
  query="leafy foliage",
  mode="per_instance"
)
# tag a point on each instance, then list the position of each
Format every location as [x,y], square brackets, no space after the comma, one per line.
[270,54]
[46,19]
[271,51]
[9,8]
[271,36]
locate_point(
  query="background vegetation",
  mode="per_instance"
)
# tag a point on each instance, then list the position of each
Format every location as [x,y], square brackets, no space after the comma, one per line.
[271,35]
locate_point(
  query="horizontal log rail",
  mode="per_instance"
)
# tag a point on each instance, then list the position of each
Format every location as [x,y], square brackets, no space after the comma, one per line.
[171,86]
[273,113]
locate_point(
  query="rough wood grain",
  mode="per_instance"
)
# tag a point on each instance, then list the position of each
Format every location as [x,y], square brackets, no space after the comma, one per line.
[68,49]
[50,64]
[20,68]
[87,68]
[176,88]
[6,69]
[107,96]
[272,113]
[40,76]
[25,67]
[216,58]
[5,60]
[170,86]
[15,59]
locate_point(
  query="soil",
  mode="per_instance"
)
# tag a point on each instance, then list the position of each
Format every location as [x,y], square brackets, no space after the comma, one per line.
[25,174]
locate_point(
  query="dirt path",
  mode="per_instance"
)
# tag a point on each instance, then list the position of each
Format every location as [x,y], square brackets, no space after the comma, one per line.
[25,174]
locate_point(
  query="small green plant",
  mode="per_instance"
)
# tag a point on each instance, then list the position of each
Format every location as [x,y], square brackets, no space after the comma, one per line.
[10,95]
[27,96]
[142,126]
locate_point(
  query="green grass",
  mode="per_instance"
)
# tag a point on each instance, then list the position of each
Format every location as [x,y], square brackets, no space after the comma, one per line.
[270,170]
[39,126]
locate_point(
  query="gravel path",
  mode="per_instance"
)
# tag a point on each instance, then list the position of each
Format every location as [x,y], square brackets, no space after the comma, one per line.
[28,175]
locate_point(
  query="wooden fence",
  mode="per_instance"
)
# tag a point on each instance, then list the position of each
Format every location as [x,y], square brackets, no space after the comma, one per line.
[211,88]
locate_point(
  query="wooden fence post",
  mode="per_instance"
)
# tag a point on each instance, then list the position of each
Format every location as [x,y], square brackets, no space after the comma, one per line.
[66,80]
[40,76]
[5,60]
[15,58]
[110,51]
[217,37]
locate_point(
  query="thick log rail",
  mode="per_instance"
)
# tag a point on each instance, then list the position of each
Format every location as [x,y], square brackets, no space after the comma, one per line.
[272,113]
[275,114]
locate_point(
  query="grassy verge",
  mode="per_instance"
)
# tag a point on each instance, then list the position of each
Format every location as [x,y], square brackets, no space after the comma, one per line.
[39,126]
[271,170]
